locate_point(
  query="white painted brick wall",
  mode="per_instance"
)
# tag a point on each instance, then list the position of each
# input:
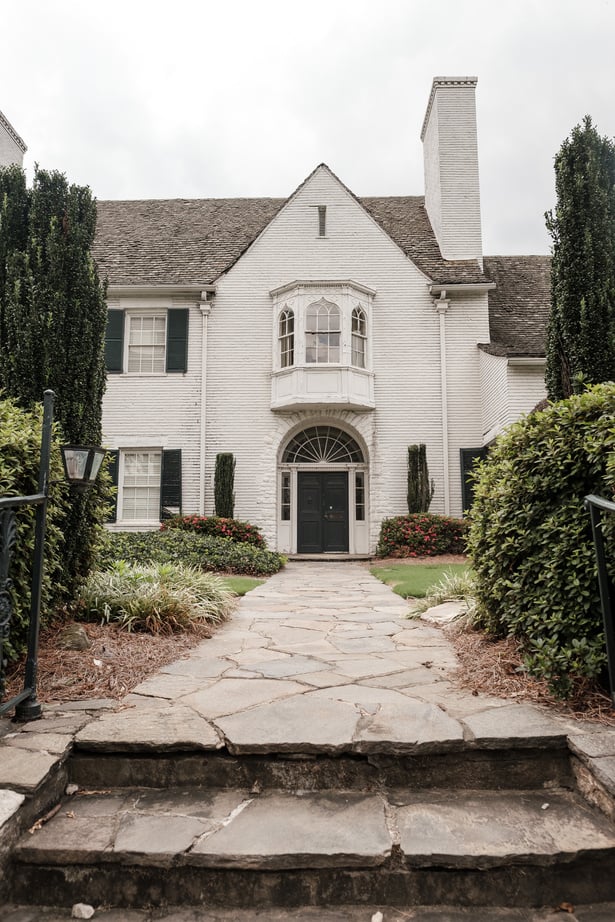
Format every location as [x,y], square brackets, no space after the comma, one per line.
[160,411]
[452,192]
[405,348]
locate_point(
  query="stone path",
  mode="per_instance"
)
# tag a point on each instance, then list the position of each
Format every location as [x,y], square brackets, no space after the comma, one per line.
[321,661]
[322,657]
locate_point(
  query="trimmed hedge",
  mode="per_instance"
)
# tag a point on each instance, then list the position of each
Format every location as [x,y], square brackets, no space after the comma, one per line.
[217,527]
[531,541]
[421,535]
[178,546]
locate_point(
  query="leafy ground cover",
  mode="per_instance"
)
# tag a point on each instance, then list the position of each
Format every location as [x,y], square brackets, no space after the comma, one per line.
[416,581]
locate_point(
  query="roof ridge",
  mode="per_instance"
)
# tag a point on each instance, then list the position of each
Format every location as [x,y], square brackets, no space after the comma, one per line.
[11,131]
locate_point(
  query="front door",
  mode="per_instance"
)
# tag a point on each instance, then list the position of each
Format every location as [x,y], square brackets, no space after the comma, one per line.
[322,514]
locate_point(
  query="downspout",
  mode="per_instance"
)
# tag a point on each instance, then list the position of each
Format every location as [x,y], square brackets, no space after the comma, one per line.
[205,308]
[441,306]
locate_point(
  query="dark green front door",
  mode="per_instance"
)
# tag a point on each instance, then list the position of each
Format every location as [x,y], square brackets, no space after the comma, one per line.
[322,515]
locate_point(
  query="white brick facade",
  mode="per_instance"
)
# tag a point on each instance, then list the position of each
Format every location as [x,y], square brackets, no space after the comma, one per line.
[421,378]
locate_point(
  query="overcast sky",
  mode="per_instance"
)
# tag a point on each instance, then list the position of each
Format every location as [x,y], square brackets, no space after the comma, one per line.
[201,99]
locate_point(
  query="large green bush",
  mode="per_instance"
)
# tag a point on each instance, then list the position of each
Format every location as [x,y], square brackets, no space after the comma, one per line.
[178,546]
[530,537]
[421,535]
[217,527]
[20,441]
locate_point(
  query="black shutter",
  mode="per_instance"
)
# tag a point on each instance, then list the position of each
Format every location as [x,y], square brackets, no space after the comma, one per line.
[177,339]
[114,341]
[113,459]
[171,484]
[469,457]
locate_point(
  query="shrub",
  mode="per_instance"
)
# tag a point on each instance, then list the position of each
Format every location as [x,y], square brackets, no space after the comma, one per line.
[159,599]
[177,546]
[421,535]
[20,441]
[224,482]
[530,537]
[217,527]
[420,488]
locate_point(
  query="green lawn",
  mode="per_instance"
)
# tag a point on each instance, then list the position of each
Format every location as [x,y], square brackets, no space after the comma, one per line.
[415,580]
[242,584]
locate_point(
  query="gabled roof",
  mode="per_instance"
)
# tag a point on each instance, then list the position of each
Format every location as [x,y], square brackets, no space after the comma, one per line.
[12,133]
[194,241]
[519,306]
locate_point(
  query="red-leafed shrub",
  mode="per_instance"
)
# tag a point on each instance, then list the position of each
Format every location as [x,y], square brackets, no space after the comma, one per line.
[421,535]
[240,532]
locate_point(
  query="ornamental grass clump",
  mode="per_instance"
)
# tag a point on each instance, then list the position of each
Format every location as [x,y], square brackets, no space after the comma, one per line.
[157,598]
[530,538]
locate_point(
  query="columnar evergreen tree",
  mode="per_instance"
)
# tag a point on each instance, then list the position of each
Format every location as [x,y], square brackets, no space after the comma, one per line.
[224,485]
[52,323]
[581,341]
[420,489]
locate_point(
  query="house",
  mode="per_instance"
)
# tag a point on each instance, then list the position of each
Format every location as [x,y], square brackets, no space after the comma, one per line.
[12,147]
[316,338]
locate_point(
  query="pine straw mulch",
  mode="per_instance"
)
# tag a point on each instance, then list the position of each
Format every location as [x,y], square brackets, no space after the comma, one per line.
[495,668]
[112,666]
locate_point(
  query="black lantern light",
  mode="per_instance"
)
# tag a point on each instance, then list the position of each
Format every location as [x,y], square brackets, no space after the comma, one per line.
[81,464]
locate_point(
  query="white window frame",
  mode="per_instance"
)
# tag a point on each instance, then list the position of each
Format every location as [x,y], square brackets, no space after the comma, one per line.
[121,518]
[298,297]
[141,314]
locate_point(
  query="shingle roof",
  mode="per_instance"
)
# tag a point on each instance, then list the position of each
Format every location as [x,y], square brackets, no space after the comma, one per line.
[194,241]
[519,306]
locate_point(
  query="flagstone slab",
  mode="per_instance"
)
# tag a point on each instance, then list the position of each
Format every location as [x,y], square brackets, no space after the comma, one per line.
[228,696]
[161,729]
[157,837]
[168,685]
[363,644]
[10,802]
[594,745]
[309,831]
[200,667]
[518,723]
[56,743]
[492,826]
[406,727]
[293,725]
[362,668]
[288,667]
[22,769]
[604,770]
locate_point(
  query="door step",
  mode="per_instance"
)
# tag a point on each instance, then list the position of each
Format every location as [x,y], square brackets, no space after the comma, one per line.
[245,849]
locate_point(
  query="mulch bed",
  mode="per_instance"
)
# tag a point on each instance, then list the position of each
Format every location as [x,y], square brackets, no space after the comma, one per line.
[115,663]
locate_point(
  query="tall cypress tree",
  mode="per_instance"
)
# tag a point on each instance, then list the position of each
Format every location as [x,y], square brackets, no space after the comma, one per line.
[581,338]
[52,323]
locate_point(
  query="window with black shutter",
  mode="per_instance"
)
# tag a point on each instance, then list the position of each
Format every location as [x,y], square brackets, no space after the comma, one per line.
[469,458]
[112,460]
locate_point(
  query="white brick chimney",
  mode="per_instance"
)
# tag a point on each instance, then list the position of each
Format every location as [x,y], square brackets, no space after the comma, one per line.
[450,151]
[12,148]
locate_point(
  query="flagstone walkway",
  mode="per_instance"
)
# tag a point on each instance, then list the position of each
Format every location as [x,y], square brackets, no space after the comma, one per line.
[323,658]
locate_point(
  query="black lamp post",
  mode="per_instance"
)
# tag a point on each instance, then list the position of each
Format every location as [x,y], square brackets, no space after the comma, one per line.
[81,466]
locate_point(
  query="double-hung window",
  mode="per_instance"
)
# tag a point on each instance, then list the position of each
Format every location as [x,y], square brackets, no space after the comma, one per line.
[147,341]
[140,497]
[147,337]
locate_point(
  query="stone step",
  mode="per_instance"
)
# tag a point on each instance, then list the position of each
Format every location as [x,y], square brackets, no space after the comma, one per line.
[239,848]
[538,767]
[595,912]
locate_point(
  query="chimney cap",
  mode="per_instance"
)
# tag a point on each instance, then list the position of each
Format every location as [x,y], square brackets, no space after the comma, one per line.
[445,82]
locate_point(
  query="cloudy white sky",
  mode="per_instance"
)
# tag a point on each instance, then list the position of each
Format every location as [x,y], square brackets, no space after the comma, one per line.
[194,98]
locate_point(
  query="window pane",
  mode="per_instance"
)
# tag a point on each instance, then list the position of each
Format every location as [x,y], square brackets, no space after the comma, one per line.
[360,496]
[141,487]
[285,508]
[147,344]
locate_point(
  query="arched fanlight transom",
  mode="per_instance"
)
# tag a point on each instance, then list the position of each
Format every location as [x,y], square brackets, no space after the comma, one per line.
[323,445]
